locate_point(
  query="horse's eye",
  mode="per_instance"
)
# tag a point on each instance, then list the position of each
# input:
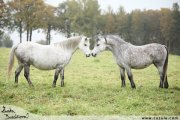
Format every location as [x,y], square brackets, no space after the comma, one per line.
[98,44]
[85,44]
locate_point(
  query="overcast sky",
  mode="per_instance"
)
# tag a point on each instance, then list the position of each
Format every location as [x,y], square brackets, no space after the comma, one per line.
[129,5]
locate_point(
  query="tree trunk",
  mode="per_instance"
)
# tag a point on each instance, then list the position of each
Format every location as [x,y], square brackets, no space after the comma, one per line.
[68,28]
[48,36]
[27,32]
[27,36]
[30,35]
[20,31]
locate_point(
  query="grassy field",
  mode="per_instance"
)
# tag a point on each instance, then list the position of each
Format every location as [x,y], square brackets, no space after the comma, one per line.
[92,87]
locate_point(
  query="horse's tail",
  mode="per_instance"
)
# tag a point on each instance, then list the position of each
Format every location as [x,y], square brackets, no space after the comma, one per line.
[11,60]
[165,69]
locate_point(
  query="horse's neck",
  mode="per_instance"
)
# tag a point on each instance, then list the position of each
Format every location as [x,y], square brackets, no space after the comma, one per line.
[117,47]
[113,44]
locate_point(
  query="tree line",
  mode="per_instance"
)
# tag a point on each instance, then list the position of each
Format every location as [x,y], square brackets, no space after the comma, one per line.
[85,17]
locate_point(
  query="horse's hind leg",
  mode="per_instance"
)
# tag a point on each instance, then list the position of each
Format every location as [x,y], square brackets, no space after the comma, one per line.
[62,77]
[166,85]
[130,76]
[160,70]
[122,72]
[26,74]
[57,71]
[17,72]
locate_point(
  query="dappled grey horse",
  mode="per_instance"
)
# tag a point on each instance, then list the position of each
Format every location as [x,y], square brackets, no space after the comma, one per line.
[46,57]
[137,57]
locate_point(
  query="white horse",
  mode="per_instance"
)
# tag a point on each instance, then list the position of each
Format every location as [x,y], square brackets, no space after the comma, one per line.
[46,57]
[137,57]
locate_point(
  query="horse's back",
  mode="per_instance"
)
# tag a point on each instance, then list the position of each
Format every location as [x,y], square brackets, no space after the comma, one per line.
[139,57]
[25,45]
[41,56]
[28,48]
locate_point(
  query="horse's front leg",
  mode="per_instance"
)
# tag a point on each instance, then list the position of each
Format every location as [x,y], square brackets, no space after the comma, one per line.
[122,73]
[26,74]
[62,77]
[130,76]
[57,71]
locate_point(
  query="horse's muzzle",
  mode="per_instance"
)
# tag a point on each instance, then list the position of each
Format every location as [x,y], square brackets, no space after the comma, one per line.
[94,55]
[88,55]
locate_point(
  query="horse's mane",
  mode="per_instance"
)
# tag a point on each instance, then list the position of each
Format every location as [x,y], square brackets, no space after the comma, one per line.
[69,43]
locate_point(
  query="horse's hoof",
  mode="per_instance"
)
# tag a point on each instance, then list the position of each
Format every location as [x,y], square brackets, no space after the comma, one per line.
[123,86]
[166,86]
[31,85]
[134,87]
[15,85]
[53,85]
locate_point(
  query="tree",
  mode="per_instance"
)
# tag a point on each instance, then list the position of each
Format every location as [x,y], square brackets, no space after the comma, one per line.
[47,21]
[4,17]
[82,15]
[151,26]
[67,13]
[27,15]
[1,41]
[2,9]
[61,16]
[166,26]
[123,23]
[137,27]
[33,16]
[110,21]
[7,42]
[17,16]
[176,28]
[91,12]
[68,28]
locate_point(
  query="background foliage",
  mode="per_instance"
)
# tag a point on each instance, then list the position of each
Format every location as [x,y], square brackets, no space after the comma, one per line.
[85,17]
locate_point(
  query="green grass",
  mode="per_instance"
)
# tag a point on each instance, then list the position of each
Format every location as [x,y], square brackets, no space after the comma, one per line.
[92,87]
